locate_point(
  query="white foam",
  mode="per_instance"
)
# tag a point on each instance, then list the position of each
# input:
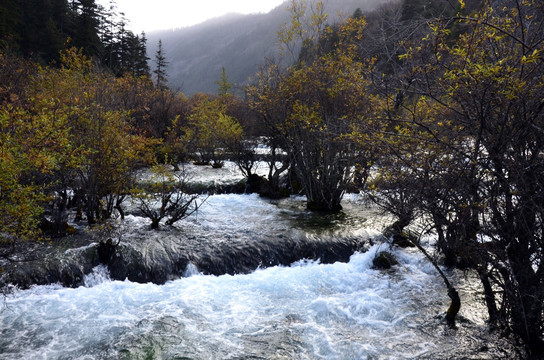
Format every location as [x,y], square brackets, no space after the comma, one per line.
[99,275]
[191,270]
[324,311]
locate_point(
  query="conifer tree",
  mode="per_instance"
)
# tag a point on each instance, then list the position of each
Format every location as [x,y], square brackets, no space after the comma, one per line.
[223,84]
[141,64]
[40,31]
[87,28]
[9,22]
[161,64]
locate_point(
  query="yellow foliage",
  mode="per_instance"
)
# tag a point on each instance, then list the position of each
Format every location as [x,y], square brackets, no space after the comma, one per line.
[70,124]
[210,129]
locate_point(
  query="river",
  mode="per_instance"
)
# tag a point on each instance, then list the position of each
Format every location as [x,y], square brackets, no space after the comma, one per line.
[308,310]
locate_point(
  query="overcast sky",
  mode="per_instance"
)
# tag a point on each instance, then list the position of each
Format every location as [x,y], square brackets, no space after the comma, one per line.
[150,15]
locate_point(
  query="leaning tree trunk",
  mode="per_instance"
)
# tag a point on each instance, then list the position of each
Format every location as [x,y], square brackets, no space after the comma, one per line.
[395,231]
[455,305]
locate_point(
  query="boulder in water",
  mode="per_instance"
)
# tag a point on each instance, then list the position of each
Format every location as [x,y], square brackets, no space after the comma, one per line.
[384,260]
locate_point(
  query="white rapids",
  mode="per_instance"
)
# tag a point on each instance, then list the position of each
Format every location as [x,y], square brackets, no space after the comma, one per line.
[308,310]
[305,311]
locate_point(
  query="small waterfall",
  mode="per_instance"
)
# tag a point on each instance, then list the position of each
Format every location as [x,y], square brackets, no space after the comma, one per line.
[99,275]
[190,270]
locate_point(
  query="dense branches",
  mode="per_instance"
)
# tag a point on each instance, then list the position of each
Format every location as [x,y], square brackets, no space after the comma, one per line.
[210,131]
[456,133]
[66,138]
[164,196]
[477,115]
[314,109]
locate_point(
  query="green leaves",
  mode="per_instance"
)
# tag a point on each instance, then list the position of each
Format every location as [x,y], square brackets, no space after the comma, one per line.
[29,145]
[69,129]
[210,130]
[321,110]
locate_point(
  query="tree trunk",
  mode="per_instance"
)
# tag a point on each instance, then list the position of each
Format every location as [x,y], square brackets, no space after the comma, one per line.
[119,207]
[455,305]
[489,296]
[317,205]
[395,231]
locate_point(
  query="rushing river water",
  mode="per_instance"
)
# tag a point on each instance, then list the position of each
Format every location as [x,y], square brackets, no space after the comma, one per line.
[307,310]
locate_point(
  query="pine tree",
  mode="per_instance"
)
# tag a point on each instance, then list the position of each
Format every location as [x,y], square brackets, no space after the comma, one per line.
[107,32]
[161,64]
[87,28]
[357,14]
[41,28]
[141,63]
[9,22]
[223,83]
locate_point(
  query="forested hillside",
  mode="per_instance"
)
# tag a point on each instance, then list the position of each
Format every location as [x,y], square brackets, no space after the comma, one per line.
[239,43]
[39,30]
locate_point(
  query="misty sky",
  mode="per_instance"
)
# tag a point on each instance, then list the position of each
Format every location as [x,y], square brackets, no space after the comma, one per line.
[149,15]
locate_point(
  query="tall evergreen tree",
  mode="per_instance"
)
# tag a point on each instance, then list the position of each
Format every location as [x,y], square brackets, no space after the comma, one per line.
[41,29]
[224,84]
[107,32]
[87,28]
[9,22]
[161,64]
[141,64]
[61,15]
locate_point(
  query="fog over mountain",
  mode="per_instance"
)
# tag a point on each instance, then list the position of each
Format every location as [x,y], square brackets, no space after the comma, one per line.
[240,43]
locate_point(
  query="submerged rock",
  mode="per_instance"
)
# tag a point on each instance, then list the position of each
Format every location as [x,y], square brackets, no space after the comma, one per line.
[384,260]
[160,259]
[157,261]
[64,261]
[166,259]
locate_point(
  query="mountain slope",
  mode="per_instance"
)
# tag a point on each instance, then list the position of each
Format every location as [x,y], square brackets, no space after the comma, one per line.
[240,43]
